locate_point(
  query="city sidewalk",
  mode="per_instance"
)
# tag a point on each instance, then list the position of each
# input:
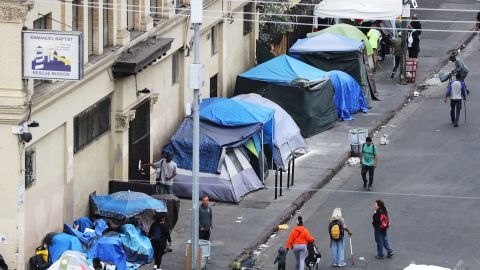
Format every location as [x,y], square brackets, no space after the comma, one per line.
[243,227]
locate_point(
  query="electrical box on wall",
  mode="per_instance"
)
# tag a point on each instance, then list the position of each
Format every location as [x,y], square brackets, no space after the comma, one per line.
[196,78]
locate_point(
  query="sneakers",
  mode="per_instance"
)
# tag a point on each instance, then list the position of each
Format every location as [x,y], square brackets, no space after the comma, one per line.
[390,255]
[379,257]
[393,75]
[342,264]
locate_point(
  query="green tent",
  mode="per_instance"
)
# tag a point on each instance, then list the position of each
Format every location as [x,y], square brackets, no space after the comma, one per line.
[348,31]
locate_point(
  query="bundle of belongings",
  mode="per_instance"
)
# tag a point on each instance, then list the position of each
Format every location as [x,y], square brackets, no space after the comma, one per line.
[91,242]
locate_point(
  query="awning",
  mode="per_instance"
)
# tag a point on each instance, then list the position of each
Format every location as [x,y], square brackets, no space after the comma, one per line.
[359,9]
[140,56]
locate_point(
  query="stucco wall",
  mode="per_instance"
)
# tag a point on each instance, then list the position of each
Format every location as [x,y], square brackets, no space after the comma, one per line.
[91,173]
[44,201]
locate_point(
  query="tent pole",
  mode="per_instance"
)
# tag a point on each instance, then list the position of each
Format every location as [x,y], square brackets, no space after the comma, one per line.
[261,160]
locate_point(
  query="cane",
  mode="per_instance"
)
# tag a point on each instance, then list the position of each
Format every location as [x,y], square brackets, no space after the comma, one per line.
[351,252]
[465,110]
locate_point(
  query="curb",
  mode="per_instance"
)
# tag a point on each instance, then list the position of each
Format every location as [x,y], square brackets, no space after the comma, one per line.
[328,174]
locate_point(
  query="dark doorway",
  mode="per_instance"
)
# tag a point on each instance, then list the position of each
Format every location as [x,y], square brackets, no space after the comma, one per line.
[214,86]
[139,143]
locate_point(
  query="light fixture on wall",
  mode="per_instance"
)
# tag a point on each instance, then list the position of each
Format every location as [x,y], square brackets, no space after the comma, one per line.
[23,132]
[144,91]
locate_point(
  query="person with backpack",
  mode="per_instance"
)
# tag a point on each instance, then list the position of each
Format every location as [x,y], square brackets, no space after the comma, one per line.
[298,240]
[337,228]
[381,223]
[369,161]
[159,234]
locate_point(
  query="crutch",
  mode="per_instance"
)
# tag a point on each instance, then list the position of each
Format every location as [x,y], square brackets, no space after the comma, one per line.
[351,251]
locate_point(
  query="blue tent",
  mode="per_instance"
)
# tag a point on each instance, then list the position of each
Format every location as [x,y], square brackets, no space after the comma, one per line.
[283,70]
[303,91]
[226,173]
[232,113]
[349,97]
[326,42]
[137,246]
[213,138]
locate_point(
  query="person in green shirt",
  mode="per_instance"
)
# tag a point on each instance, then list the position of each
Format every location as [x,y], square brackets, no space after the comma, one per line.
[369,160]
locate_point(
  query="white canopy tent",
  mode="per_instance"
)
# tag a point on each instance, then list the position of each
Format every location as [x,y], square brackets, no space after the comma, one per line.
[359,9]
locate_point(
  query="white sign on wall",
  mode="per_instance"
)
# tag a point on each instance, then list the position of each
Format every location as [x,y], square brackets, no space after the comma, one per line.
[52,55]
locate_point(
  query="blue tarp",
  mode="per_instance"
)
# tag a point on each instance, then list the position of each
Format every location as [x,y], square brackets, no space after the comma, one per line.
[83,223]
[232,113]
[61,243]
[326,42]
[213,138]
[349,97]
[283,70]
[83,237]
[137,246]
[108,249]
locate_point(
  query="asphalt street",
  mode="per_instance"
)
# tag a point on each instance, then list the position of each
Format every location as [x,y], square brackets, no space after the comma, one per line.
[428,178]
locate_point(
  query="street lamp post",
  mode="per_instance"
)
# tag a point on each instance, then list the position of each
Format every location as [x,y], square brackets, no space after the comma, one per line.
[196,81]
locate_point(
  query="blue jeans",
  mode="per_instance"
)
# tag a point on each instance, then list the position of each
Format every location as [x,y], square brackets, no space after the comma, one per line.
[382,242]
[164,189]
[338,251]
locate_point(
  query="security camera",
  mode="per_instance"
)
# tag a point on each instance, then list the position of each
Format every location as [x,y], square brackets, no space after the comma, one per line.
[26,137]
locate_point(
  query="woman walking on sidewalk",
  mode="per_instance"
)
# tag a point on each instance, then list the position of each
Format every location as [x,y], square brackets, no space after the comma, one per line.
[298,240]
[380,224]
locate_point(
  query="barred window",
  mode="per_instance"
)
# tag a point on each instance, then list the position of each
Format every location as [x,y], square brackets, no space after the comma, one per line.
[247,19]
[91,123]
[30,168]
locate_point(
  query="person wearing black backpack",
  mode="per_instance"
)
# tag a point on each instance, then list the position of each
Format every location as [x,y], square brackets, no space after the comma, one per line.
[369,160]
[159,234]
[381,223]
[337,228]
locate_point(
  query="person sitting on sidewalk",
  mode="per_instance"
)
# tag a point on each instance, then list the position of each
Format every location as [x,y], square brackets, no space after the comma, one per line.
[456,91]
[337,228]
[298,240]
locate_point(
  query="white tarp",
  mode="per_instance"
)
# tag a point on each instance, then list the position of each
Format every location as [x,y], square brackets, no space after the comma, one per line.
[359,9]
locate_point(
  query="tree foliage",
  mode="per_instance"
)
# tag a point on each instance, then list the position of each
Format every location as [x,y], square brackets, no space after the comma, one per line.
[272,33]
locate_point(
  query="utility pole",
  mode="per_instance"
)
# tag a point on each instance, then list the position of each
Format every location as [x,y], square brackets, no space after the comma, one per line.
[196,81]
[405,17]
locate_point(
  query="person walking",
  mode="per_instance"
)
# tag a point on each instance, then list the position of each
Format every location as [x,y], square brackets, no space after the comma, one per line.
[381,223]
[369,160]
[415,32]
[281,258]
[373,37]
[398,52]
[337,228]
[166,170]
[456,91]
[297,241]
[205,219]
[159,235]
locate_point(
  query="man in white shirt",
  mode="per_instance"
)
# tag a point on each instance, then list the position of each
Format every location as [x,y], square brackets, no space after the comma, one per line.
[456,91]
[166,170]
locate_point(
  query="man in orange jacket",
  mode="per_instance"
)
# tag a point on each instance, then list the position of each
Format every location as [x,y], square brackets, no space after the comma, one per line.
[298,240]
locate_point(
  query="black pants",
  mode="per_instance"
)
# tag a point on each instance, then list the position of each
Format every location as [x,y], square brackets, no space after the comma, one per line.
[281,266]
[204,235]
[158,251]
[397,63]
[370,170]
[455,109]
